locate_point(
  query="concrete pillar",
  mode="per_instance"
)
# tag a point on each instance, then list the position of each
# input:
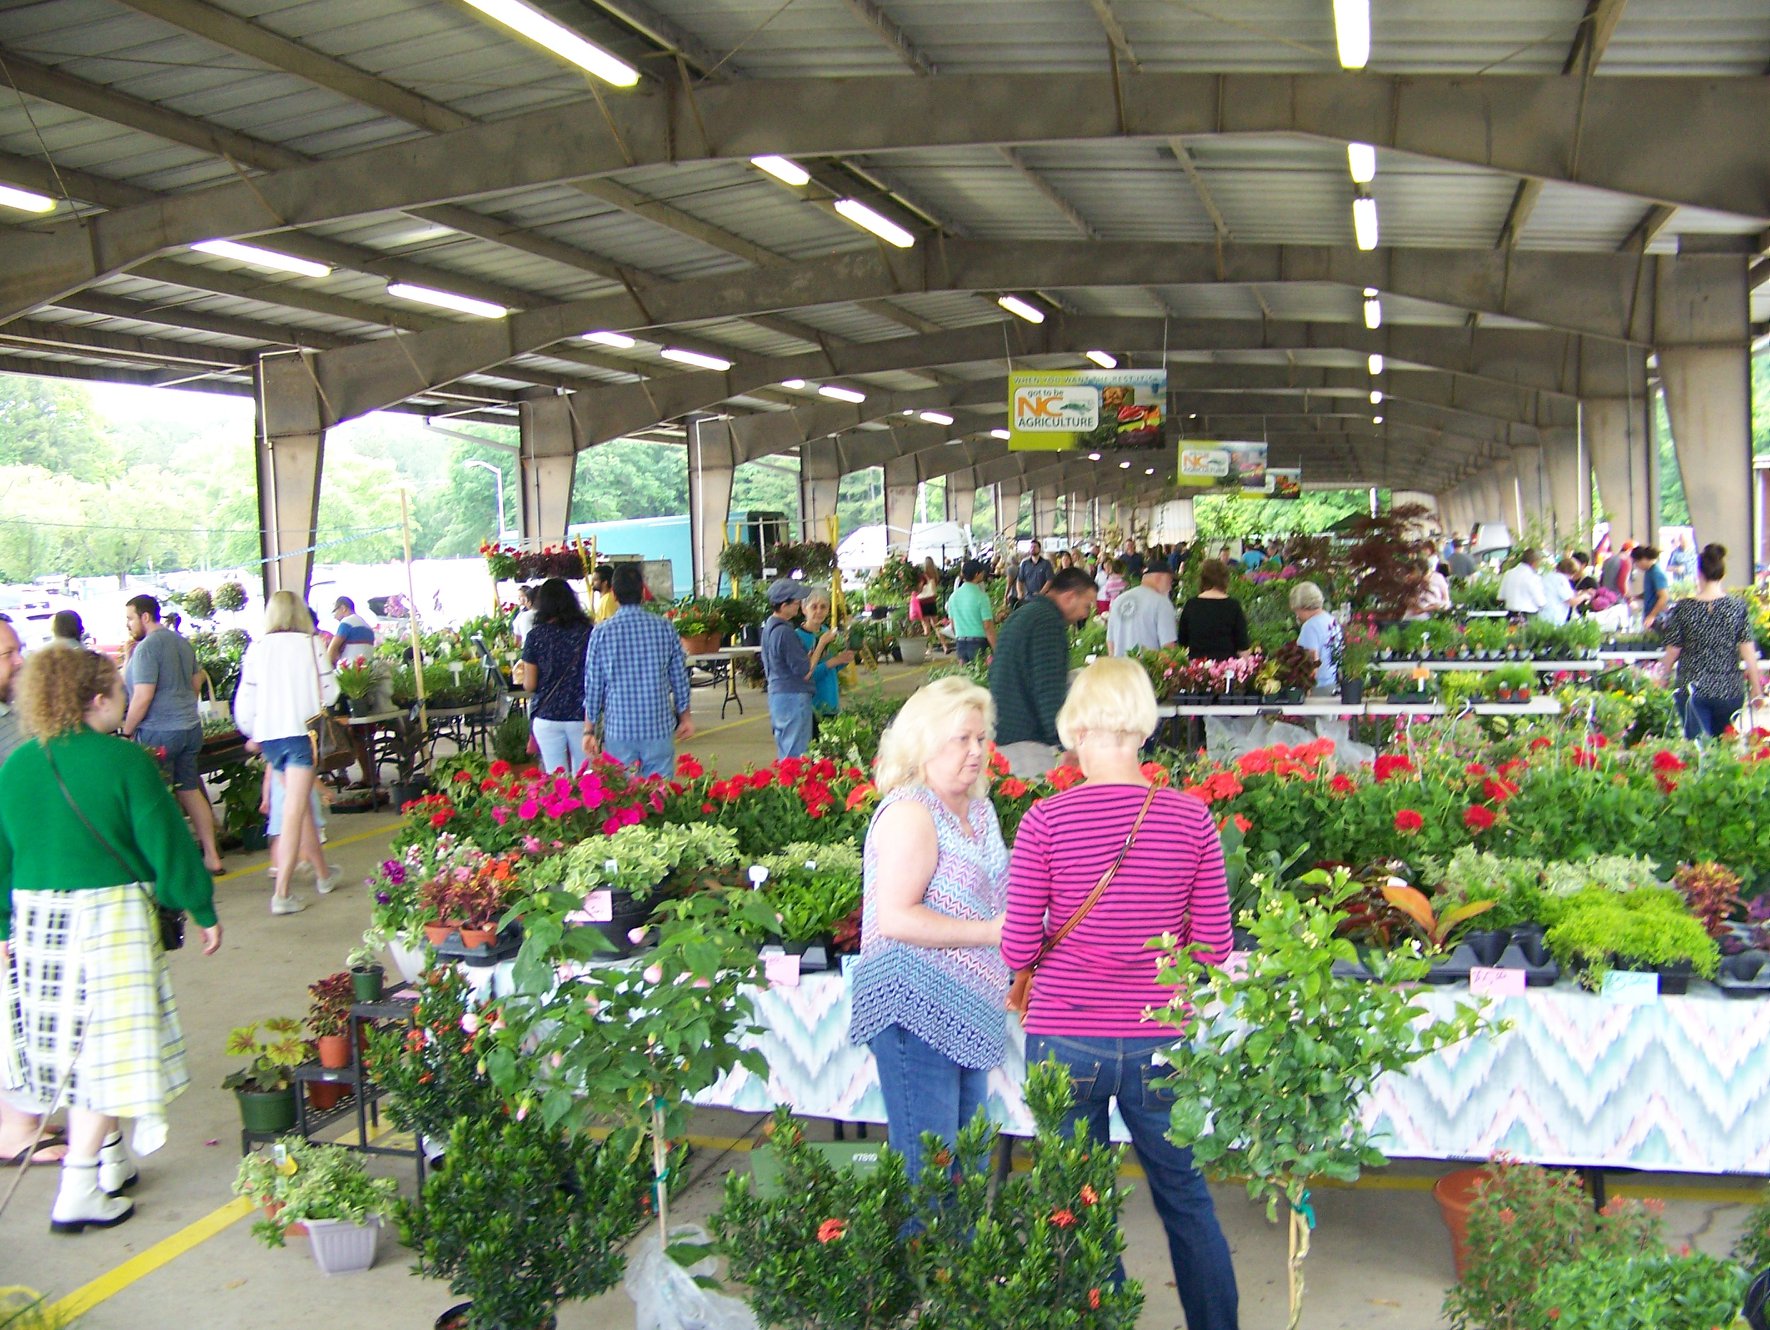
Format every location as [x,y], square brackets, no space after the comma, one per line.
[1045,512]
[548,455]
[711,461]
[1533,505]
[291,449]
[820,482]
[1619,437]
[961,497]
[1567,474]
[1008,494]
[901,478]
[1708,403]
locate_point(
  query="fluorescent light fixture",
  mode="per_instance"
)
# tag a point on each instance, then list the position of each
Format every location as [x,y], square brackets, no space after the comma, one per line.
[1373,313]
[1103,359]
[999,434]
[1149,470]
[1370,292]
[1015,305]
[1361,160]
[1352,32]
[908,411]
[936,417]
[1364,222]
[1375,363]
[787,172]
[1376,398]
[263,258]
[1124,466]
[425,295]
[841,394]
[797,385]
[879,224]
[695,358]
[1376,420]
[559,39]
[11,196]
[1093,457]
[620,341]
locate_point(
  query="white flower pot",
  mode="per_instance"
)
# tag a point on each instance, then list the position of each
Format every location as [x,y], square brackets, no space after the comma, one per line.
[343,1248]
[407,958]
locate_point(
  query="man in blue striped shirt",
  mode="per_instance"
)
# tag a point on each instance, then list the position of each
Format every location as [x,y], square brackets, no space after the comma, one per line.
[636,684]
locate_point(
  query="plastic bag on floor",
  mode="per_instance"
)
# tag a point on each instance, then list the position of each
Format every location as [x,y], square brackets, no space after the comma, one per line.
[665,1296]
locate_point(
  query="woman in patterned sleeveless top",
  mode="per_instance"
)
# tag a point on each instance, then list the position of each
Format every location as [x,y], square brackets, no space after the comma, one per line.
[1706,637]
[927,991]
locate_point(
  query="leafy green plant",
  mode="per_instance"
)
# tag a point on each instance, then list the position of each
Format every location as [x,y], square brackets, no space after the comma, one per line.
[510,737]
[275,1049]
[241,796]
[431,1070]
[812,887]
[1436,926]
[525,1217]
[1523,1221]
[1645,929]
[328,1012]
[1088,640]
[1275,1091]
[1486,634]
[311,1181]
[230,596]
[1752,1250]
[357,679]
[1650,1291]
[741,562]
[197,603]
[637,859]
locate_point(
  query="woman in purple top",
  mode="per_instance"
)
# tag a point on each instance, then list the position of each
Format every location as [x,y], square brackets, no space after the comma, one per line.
[927,991]
[1093,993]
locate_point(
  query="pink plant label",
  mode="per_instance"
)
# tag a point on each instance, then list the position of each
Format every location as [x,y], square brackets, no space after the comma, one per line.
[782,971]
[1496,981]
[600,906]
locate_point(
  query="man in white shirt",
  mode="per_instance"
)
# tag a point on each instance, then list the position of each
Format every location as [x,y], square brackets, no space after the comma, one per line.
[1144,615]
[1521,589]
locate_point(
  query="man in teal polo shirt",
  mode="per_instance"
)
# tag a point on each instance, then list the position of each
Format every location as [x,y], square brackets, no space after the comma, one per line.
[974,618]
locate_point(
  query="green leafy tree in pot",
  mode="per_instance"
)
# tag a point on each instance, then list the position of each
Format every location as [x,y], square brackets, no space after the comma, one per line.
[1275,1093]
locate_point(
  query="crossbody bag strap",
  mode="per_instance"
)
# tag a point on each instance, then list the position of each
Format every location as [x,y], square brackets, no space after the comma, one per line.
[1100,886]
[85,821]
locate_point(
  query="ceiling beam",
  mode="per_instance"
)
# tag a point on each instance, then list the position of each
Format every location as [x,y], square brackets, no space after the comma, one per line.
[669,37]
[1518,215]
[1049,193]
[1641,235]
[1669,140]
[886,29]
[1115,31]
[1593,35]
[191,320]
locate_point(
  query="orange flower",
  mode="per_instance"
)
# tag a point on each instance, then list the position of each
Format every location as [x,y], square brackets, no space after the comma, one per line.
[1063,1218]
[1094,1299]
[831,1229]
[1089,1195]
[859,795]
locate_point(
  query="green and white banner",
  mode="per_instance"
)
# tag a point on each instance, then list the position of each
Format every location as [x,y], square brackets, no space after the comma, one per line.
[1087,410]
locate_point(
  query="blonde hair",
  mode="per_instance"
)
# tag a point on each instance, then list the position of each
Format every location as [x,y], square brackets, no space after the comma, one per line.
[925,723]
[1307,596]
[56,687]
[284,613]
[1111,696]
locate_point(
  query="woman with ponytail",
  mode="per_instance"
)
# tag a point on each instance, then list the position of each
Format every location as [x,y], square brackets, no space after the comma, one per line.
[1706,637]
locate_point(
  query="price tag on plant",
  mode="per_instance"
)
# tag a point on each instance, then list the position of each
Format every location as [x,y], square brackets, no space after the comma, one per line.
[758,875]
[599,906]
[782,971]
[1496,981]
[1634,988]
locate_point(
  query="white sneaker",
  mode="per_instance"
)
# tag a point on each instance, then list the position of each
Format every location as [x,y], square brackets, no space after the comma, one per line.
[80,1205]
[286,905]
[329,883]
[116,1170]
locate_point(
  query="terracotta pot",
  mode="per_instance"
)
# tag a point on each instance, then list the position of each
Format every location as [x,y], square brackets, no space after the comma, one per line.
[334,1050]
[437,934]
[701,644]
[323,1096]
[271,1208]
[478,937]
[1455,1193]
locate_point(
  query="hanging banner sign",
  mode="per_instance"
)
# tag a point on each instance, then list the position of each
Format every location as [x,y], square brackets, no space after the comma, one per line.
[1209,464]
[1284,482]
[1087,410]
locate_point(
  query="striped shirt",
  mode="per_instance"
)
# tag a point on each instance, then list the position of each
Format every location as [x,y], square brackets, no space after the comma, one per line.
[1102,978]
[635,677]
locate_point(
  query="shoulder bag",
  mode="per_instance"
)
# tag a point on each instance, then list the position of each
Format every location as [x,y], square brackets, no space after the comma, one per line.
[170,921]
[330,736]
[1020,991]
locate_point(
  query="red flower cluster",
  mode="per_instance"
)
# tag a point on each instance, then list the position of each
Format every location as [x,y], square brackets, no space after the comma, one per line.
[1012,788]
[1278,760]
[1062,778]
[831,1229]
[1217,785]
[810,780]
[1498,790]
[1477,818]
[1063,1218]
[1665,760]
[689,769]
[1407,821]
[1389,766]
[1342,785]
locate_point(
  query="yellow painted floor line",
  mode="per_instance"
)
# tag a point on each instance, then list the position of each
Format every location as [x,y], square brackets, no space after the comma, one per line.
[113,1282]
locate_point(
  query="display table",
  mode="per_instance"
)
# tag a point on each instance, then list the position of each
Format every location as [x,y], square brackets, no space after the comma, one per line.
[1679,1085]
[720,666]
[1587,666]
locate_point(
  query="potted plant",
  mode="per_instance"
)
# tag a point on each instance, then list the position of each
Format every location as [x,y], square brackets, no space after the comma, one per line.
[699,622]
[361,682]
[812,890]
[241,799]
[535,1215]
[741,562]
[1293,1113]
[368,978]
[265,1086]
[328,1018]
[433,1071]
[323,1191]
[1357,655]
[1596,930]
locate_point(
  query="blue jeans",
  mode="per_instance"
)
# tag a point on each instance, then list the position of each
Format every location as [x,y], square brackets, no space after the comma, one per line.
[293,751]
[924,1090]
[182,747]
[970,648]
[1102,1070]
[1705,717]
[791,714]
[653,757]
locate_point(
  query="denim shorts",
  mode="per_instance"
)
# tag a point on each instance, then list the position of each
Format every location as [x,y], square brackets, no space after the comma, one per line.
[182,747]
[294,751]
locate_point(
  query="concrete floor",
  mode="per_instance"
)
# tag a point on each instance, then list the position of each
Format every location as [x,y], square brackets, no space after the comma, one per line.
[1381,1259]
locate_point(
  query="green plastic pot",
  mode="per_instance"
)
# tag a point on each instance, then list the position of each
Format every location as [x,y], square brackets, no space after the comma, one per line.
[367,982]
[272,1111]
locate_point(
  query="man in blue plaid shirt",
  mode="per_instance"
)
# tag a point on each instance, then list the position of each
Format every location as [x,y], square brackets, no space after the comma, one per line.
[636,684]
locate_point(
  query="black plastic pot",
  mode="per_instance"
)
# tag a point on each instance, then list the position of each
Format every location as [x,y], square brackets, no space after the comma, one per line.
[405,791]
[1674,978]
[455,1318]
[1352,691]
[1488,944]
[625,915]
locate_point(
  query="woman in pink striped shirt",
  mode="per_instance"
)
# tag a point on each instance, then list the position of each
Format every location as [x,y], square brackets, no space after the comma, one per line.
[1091,999]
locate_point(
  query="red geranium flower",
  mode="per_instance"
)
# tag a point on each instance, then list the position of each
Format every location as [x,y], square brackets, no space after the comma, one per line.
[831,1229]
[688,768]
[499,768]
[1407,821]
[1474,769]
[1477,818]
[1389,765]
[461,777]
[1342,785]
[1666,760]
[1012,788]
[1541,742]
[1064,777]
[1498,790]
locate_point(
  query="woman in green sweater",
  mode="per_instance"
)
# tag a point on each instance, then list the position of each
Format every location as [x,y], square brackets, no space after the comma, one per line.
[89,836]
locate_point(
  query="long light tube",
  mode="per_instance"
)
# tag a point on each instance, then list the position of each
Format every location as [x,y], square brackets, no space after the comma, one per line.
[783,170]
[25,200]
[797,385]
[879,224]
[1103,359]
[263,258]
[559,39]
[1361,160]
[936,417]
[999,434]
[1376,397]
[425,295]
[620,341]
[1373,313]
[1375,363]
[841,394]
[1352,32]
[694,358]
[1015,305]
[1364,222]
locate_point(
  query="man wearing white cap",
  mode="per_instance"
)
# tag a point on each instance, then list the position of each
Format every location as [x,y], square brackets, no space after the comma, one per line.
[788,667]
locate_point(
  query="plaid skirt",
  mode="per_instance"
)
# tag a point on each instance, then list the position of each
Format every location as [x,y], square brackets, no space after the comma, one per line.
[90,961]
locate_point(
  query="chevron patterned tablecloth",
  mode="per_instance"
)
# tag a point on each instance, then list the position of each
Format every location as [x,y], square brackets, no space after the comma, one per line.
[1681,1084]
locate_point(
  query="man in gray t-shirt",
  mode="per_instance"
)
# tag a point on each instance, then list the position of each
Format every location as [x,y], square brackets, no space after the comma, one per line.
[161,675]
[1144,616]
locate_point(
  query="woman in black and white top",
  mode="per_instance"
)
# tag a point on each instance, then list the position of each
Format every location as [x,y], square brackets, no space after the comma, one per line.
[1707,636]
